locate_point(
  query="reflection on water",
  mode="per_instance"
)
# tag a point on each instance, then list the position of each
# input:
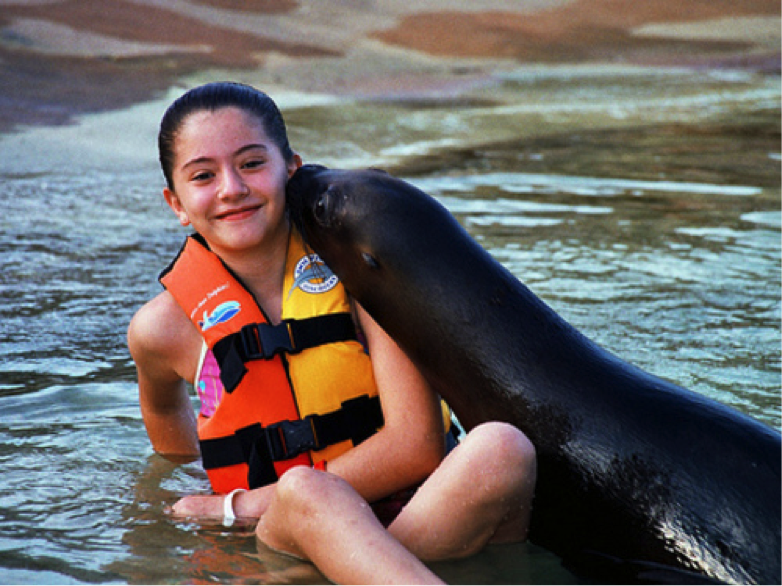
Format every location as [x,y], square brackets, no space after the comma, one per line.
[644,209]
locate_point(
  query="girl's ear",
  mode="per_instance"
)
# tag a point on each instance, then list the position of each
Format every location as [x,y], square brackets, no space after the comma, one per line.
[172,199]
[294,164]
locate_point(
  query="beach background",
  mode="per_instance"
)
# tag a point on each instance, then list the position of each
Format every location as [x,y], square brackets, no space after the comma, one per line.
[621,157]
[62,58]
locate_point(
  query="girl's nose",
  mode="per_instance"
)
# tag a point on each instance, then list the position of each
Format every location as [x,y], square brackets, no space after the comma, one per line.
[233,184]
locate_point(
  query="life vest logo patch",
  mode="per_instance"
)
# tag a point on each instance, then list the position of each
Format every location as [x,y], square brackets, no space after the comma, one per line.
[311,275]
[221,314]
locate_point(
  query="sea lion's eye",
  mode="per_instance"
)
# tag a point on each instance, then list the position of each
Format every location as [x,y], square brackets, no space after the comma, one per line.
[370,260]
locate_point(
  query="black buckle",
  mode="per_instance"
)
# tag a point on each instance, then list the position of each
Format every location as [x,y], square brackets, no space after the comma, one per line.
[263,341]
[287,439]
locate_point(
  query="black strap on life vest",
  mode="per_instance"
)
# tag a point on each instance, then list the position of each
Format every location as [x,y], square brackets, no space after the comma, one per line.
[259,446]
[264,341]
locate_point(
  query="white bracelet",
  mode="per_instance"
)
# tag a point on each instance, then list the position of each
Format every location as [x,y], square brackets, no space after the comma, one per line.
[228,509]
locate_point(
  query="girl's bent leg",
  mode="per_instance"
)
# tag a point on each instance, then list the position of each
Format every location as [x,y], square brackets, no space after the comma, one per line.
[318,516]
[481,493]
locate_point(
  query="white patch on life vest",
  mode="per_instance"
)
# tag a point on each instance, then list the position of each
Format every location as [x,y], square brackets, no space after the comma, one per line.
[311,275]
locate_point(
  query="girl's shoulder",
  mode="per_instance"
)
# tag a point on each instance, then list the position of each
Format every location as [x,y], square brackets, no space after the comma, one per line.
[161,329]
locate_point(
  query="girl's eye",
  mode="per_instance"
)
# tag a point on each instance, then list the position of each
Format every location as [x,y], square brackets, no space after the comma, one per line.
[254,163]
[201,176]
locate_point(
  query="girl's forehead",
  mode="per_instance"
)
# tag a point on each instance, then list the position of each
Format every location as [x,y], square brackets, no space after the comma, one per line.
[222,127]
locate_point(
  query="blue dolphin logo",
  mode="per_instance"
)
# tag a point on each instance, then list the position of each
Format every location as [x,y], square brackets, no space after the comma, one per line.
[222,313]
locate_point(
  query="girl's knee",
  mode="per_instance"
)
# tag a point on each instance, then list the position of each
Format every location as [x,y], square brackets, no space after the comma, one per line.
[501,444]
[296,480]
[300,490]
[503,458]
[509,475]
[300,495]
[304,492]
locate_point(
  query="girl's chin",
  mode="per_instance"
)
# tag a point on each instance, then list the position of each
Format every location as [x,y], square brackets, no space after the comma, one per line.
[246,241]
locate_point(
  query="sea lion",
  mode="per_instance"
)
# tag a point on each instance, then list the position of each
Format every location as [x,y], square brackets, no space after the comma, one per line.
[638,479]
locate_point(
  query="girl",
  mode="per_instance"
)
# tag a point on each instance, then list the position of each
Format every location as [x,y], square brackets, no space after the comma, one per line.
[292,405]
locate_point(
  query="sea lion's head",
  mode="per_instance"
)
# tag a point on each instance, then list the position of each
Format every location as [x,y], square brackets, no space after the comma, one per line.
[365,224]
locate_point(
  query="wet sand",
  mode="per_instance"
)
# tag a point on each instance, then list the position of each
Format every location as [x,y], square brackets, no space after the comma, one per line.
[60,58]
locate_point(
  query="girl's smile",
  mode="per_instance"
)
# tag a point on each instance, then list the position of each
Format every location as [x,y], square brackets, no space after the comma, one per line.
[238,214]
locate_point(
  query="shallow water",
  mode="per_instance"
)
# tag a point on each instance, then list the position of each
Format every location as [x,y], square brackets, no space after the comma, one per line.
[643,206]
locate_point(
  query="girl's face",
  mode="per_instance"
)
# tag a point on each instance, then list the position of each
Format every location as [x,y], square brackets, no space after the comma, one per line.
[229,180]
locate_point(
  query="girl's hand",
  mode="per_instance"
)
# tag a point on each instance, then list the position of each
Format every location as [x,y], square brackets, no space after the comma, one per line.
[246,505]
[202,506]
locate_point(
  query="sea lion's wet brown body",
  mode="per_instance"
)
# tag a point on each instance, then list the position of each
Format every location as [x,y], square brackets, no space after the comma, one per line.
[638,479]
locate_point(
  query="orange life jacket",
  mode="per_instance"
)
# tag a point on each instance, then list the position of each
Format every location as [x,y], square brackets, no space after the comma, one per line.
[295,393]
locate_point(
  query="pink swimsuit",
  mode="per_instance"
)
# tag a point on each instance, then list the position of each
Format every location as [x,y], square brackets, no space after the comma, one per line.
[208,384]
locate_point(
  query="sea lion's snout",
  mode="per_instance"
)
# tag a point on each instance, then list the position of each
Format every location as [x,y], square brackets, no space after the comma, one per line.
[322,207]
[307,196]
[303,182]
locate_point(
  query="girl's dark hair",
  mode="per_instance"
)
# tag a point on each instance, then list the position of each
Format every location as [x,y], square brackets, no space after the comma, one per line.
[212,97]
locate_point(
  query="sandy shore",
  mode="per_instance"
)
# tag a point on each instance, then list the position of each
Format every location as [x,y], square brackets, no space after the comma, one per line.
[60,58]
